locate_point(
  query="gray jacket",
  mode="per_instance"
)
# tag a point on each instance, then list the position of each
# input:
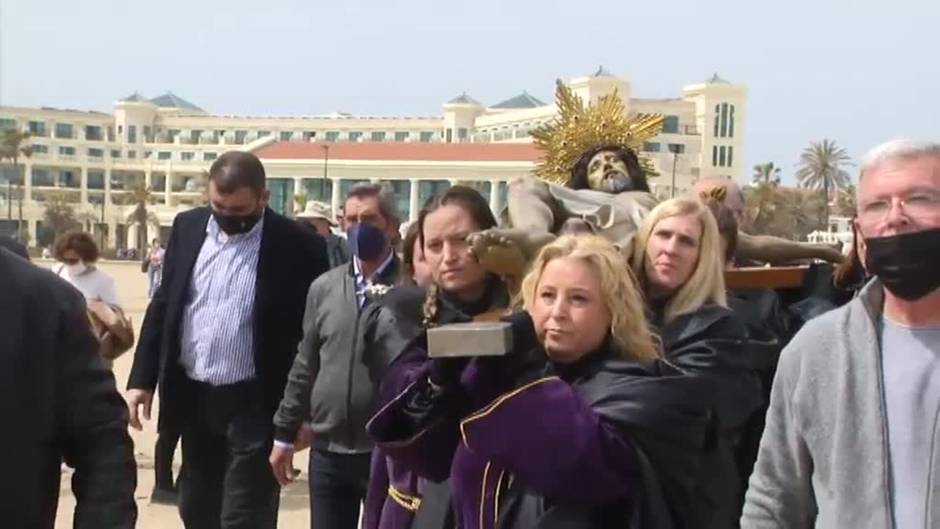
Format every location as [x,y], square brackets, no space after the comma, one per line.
[823,459]
[330,384]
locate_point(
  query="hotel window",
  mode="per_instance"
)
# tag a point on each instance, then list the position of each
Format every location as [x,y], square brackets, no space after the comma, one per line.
[37,128]
[671,124]
[40,149]
[332,135]
[651,147]
[730,156]
[310,135]
[194,136]
[68,179]
[677,148]
[63,130]
[186,156]
[96,153]
[461,134]
[164,155]
[93,133]
[42,177]
[431,188]
[724,121]
[131,134]
[401,136]
[426,137]
[209,156]
[131,155]
[285,135]
[354,136]
[95,180]
[378,136]
[173,133]
[714,156]
[66,151]
[115,153]
[7,123]
[148,137]
[240,136]
[264,133]
[448,135]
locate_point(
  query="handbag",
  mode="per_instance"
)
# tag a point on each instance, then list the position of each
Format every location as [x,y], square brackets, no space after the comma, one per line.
[114,330]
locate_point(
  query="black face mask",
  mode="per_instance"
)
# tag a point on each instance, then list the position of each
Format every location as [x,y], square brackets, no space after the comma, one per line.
[908,264]
[236,224]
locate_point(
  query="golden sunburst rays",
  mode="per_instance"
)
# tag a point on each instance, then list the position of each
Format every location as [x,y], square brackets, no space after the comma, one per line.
[580,127]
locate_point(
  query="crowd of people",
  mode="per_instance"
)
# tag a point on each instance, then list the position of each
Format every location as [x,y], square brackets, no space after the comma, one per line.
[637,390]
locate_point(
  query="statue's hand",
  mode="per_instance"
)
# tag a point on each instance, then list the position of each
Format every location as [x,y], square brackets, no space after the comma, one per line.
[497,253]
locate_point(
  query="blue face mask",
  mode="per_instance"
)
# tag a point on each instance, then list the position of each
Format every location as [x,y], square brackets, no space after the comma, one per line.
[366,241]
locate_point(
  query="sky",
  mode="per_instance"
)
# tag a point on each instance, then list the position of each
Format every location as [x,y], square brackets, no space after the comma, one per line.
[858,72]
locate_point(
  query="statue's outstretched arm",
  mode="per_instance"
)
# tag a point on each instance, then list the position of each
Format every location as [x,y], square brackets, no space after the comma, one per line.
[777,251]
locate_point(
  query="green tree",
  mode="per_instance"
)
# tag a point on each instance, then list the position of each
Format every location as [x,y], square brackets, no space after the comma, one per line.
[821,167]
[846,204]
[59,215]
[13,146]
[766,173]
[140,196]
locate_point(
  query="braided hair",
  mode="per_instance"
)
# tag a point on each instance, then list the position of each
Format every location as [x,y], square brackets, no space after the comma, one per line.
[476,206]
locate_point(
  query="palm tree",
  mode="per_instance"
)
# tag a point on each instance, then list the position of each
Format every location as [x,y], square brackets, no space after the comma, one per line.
[821,167]
[140,197]
[12,146]
[766,173]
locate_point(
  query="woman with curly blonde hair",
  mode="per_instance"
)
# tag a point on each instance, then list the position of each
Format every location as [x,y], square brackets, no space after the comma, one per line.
[678,262]
[579,425]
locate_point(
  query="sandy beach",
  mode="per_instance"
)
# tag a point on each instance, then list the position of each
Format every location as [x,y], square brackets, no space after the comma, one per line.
[132,291]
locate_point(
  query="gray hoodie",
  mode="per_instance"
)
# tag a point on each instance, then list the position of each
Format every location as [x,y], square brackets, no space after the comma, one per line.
[823,459]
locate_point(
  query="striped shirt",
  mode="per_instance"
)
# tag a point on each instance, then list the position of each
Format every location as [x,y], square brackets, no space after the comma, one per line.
[218,324]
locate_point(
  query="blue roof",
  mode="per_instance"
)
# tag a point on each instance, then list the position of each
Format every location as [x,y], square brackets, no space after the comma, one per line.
[135,98]
[463,99]
[169,100]
[716,79]
[523,100]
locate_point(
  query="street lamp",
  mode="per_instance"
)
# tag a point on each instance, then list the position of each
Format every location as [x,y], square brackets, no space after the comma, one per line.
[676,149]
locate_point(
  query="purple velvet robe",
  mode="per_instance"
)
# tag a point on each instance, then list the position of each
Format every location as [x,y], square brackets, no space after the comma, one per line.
[543,434]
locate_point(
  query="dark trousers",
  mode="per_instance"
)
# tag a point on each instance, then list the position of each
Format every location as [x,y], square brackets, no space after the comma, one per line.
[226,481]
[163,452]
[338,484]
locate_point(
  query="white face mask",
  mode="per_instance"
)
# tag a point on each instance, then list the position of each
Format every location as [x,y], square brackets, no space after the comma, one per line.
[76,269]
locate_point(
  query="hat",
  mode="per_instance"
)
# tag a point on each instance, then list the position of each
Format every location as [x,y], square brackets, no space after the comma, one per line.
[317,210]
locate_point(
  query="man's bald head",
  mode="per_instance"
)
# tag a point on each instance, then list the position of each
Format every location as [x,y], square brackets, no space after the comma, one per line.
[734,200]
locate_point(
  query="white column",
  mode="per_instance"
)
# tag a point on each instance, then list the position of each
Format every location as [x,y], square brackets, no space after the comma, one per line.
[148,177]
[27,182]
[494,196]
[83,194]
[335,199]
[168,186]
[413,203]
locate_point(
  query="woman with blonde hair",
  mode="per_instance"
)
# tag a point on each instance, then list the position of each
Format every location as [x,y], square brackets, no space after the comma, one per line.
[677,259]
[579,425]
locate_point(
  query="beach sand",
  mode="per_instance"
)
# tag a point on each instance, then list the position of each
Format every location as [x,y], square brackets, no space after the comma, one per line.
[132,291]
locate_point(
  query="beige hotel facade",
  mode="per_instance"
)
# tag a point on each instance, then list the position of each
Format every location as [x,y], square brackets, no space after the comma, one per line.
[94,159]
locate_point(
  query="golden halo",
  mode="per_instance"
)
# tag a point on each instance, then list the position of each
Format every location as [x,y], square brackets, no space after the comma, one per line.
[580,127]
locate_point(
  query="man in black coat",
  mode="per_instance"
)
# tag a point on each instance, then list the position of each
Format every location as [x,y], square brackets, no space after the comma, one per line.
[219,338]
[57,402]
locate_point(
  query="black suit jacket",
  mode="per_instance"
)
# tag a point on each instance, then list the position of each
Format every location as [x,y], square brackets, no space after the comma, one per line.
[57,402]
[289,259]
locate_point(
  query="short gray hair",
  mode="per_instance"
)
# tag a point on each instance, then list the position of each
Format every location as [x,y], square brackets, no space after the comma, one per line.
[898,149]
[388,203]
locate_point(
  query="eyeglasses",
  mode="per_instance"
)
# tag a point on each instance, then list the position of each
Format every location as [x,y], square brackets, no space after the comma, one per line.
[915,206]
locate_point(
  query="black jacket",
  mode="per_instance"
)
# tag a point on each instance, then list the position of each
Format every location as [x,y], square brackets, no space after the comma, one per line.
[57,402]
[712,344]
[289,259]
